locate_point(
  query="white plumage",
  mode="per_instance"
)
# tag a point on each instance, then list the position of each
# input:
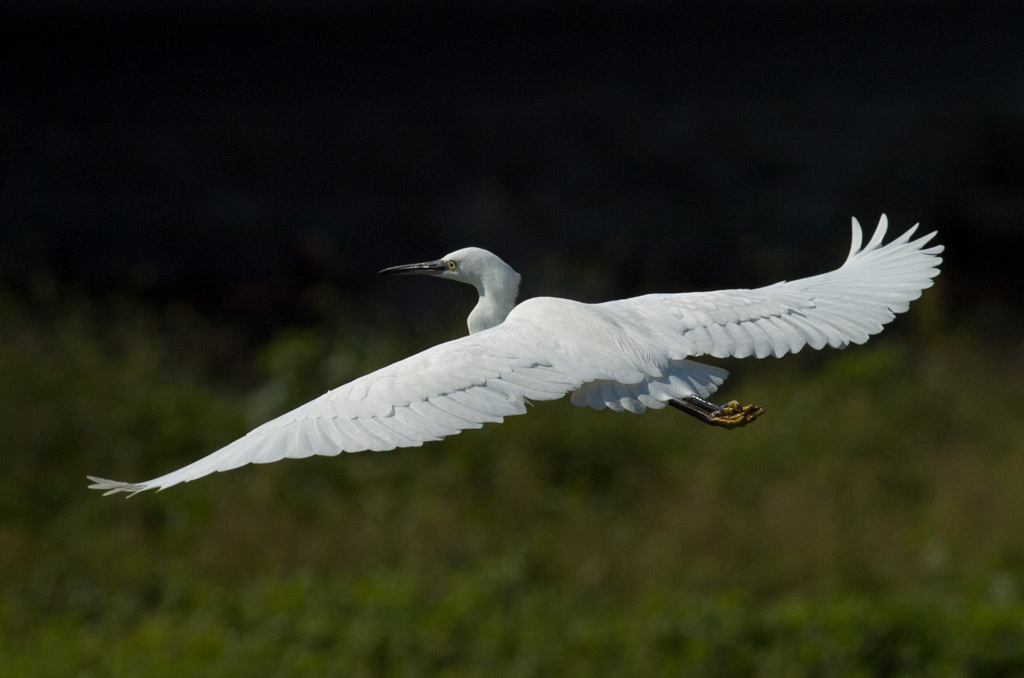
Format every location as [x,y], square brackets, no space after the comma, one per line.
[630,354]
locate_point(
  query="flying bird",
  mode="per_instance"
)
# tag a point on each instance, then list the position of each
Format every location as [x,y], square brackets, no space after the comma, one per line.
[626,355]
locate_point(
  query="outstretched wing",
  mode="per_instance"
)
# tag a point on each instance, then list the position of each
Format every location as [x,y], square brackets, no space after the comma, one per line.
[450,387]
[838,308]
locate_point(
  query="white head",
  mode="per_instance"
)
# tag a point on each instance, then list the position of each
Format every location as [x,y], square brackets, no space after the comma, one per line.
[495,281]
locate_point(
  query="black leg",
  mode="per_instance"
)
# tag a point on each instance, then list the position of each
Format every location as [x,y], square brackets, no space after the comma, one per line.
[693,409]
[730,415]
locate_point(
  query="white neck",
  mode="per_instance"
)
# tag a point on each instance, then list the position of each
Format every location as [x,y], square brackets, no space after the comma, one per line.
[498,290]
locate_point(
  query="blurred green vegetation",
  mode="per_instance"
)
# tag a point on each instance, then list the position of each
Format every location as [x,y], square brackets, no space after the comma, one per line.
[869,524]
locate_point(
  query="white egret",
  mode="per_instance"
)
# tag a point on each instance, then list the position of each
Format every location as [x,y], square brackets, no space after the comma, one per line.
[630,354]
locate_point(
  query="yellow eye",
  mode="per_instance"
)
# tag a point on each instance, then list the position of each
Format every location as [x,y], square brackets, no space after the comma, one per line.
[451,265]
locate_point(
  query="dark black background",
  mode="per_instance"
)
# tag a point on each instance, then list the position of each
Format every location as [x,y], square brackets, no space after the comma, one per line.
[233,154]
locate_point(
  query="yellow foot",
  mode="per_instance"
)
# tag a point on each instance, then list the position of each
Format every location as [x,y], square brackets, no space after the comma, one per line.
[734,415]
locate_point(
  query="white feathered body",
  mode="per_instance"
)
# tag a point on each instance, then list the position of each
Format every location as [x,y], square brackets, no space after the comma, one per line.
[630,355]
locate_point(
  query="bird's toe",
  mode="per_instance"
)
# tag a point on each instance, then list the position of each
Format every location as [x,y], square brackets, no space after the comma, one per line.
[734,415]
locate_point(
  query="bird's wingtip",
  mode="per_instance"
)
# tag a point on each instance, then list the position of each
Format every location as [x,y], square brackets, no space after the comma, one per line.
[108,486]
[857,237]
[879,234]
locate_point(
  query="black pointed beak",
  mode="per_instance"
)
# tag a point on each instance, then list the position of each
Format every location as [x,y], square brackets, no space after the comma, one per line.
[426,268]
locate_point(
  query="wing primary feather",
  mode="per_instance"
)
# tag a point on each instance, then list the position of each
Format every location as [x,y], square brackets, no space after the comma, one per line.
[814,337]
[400,432]
[275,445]
[783,343]
[431,412]
[362,439]
[389,438]
[317,443]
[876,239]
[339,440]
[857,238]
[745,342]
[449,403]
[429,429]
[485,406]
[762,340]
[489,398]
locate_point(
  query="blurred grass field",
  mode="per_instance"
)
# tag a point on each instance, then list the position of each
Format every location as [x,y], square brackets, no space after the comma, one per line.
[869,524]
